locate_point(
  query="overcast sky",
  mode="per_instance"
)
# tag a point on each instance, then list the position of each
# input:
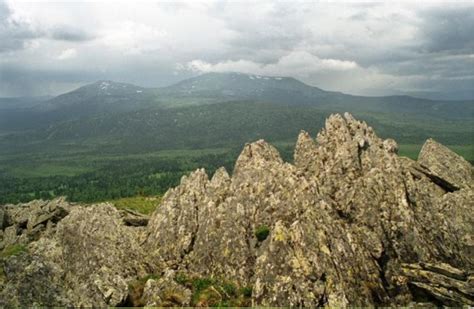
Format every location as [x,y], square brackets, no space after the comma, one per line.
[358,48]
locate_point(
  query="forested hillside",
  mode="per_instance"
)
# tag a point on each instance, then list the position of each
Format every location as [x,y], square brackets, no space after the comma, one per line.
[109,140]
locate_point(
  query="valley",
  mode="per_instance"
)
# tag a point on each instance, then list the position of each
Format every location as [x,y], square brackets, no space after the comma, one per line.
[108,140]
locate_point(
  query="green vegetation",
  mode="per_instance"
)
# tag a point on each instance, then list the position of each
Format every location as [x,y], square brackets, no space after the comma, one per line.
[172,298]
[94,177]
[47,169]
[181,278]
[232,124]
[141,204]
[200,284]
[246,291]
[206,292]
[90,147]
[108,177]
[262,232]
[12,250]
[230,289]
[211,292]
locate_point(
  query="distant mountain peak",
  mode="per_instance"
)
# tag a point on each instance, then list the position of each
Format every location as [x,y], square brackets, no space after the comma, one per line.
[250,76]
[108,86]
[233,84]
[97,96]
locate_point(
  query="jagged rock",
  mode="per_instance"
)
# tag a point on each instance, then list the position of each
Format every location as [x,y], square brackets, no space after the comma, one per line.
[449,285]
[18,215]
[10,236]
[342,221]
[32,219]
[445,165]
[304,149]
[390,145]
[88,261]
[455,207]
[181,222]
[52,211]
[165,292]
[133,218]
[100,255]
[32,280]
[348,224]
[340,272]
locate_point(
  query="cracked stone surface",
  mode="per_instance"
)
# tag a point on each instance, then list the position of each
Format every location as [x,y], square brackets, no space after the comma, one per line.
[350,223]
[342,220]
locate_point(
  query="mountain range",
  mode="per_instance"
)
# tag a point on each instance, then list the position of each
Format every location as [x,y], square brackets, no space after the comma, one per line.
[219,109]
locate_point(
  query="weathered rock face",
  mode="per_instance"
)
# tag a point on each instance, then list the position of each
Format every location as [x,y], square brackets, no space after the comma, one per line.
[449,285]
[445,166]
[87,260]
[165,292]
[99,254]
[342,220]
[27,222]
[349,223]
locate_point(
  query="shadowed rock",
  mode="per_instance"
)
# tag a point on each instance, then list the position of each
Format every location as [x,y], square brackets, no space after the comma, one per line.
[446,166]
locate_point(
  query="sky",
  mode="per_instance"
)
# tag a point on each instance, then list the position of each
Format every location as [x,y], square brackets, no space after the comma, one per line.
[365,48]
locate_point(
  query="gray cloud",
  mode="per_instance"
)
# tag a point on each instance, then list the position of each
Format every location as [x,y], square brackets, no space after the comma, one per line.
[14,34]
[17,33]
[67,33]
[448,29]
[370,49]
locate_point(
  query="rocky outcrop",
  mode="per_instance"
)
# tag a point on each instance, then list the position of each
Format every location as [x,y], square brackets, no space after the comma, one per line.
[449,285]
[87,260]
[445,167]
[133,218]
[27,222]
[165,292]
[98,267]
[349,223]
[342,220]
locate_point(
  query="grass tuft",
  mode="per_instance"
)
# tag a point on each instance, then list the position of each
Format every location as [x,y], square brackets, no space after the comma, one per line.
[211,292]
[144,205]
[262,232]
[13,250]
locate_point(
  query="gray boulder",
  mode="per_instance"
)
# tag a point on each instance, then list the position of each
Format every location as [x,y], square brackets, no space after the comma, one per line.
[445,166]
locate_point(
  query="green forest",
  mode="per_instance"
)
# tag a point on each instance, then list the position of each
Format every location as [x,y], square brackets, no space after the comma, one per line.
[92,145]
[114,179]
[96,178]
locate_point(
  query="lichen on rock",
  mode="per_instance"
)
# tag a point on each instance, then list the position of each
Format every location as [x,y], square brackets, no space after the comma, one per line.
[342,220]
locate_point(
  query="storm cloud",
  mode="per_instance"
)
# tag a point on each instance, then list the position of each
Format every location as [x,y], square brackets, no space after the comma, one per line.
[15,33]
[68,33]
[360,48]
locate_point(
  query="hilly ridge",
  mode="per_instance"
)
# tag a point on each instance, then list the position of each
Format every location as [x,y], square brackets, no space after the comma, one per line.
[111,97]
[110,105]
[106,140]
[238,86]
[235,123]
[287,90]
[92,96]
[93,99]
